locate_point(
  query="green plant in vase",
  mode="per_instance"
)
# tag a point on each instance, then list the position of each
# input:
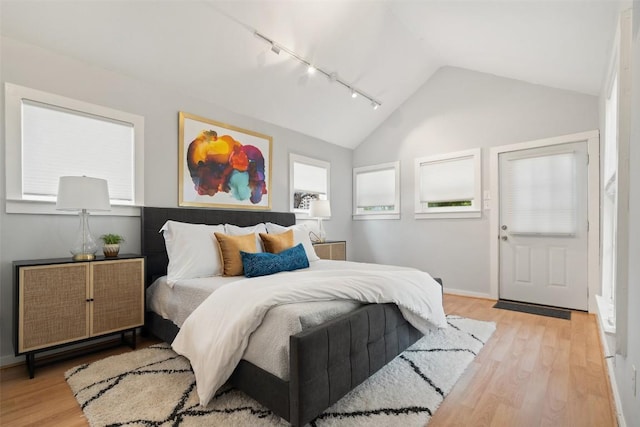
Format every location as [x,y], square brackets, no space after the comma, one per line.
[111,245]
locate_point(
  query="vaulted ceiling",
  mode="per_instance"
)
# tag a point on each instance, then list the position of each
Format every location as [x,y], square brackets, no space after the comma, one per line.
[386,49]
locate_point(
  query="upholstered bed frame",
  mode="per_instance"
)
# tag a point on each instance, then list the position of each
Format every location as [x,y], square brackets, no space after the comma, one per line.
[326,361]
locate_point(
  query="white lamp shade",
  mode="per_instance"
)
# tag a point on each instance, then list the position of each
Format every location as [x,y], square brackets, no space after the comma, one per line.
[320,209]
[76,193]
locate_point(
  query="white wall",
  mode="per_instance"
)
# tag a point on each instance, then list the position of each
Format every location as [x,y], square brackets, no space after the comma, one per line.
[623,365]
[47,236]
[458,109]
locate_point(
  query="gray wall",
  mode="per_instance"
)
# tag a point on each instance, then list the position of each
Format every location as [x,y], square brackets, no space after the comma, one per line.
[46,236]
[623,365]
[458,109]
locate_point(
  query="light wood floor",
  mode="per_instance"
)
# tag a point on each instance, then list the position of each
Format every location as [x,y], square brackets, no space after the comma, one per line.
[535,371]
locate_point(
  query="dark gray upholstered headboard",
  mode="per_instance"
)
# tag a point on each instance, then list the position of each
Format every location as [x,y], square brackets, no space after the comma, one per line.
[152,242]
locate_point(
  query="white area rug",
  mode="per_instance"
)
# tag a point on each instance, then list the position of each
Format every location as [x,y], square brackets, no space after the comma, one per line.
[155,386]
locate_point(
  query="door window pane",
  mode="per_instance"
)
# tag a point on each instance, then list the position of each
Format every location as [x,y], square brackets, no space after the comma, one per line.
[541,194]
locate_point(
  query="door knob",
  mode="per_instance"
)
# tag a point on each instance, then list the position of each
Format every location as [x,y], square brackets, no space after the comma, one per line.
[504,227]
[504,237]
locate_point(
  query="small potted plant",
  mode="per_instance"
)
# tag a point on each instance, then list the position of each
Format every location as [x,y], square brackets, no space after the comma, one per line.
[111,244]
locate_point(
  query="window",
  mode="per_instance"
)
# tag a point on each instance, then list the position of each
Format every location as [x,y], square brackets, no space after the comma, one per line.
[540,195]
[309,180]
[376,191]
[49,136]
[609,204]
[448,185]
[613,305]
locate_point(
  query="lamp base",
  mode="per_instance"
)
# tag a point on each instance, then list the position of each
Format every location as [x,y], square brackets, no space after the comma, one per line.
[84,257]
[322,237]
[85,247]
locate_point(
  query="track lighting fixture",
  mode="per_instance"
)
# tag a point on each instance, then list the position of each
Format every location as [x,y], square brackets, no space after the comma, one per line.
[312,69]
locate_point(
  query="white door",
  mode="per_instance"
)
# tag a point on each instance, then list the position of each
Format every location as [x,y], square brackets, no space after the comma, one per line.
[543,225]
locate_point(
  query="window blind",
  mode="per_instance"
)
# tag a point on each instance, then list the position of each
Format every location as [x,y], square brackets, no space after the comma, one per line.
[447,180]
[541,194]
[59,142]
[376,188]
[309,178]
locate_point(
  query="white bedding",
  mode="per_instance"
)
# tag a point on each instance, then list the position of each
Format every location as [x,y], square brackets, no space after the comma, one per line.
[177,302]
[215,336]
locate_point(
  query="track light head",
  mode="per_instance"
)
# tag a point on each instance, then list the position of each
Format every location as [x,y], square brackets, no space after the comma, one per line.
[375,105]
[311,69]
[354,94]
[275,49]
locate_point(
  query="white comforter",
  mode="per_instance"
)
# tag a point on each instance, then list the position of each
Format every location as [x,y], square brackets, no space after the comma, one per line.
[216,334]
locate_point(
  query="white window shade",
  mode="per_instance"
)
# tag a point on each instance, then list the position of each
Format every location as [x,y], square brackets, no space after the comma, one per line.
[376,188]
[447,180]
[309,178]
[58,142]
[541,194]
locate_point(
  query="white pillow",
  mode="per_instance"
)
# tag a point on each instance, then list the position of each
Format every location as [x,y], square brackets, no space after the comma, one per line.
[192,250]
[234,230]
[300,235]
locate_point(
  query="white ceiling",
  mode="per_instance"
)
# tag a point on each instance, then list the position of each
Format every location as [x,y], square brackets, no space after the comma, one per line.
[387,49]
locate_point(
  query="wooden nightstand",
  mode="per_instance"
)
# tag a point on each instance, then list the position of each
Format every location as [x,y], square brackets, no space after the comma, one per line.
[60,301]
[332,249]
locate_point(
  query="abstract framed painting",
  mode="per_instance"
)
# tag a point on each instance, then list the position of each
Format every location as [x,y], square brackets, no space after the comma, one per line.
[223,166]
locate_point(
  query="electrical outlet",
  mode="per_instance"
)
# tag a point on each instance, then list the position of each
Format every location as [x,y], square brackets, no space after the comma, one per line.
[634,378]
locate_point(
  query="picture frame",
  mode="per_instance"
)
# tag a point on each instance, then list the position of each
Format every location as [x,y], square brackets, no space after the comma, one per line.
[222,166]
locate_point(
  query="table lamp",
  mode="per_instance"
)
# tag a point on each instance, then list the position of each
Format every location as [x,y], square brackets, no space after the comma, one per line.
[320,209]
[83,194]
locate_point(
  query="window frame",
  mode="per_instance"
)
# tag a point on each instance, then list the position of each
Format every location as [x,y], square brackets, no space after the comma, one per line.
[473,211]
[15,201]
[609,199]
[395,213]
[298,158]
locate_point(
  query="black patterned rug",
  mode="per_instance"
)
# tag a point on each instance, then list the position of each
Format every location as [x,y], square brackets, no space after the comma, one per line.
[156,387]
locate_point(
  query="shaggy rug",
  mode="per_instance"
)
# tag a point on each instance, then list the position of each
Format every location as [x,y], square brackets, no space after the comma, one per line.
[155,386]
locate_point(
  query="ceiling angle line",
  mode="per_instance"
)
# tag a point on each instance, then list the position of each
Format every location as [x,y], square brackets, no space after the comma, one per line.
[332,76]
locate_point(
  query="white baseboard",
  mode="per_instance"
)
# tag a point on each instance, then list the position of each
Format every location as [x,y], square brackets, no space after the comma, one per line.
[467,293]
[609,355]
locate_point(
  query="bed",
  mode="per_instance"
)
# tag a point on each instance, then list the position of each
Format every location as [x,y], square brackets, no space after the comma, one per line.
[326,361]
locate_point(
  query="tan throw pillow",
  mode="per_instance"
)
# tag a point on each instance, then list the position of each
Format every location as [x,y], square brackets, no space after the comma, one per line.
[230,247]
[276,243]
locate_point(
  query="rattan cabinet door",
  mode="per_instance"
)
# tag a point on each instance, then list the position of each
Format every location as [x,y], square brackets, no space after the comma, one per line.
[117,294]
[339,251]
[52,305]
[323,250]
[331,250]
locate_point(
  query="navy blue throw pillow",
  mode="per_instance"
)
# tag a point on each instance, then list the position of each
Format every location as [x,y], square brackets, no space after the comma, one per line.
[264,263]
